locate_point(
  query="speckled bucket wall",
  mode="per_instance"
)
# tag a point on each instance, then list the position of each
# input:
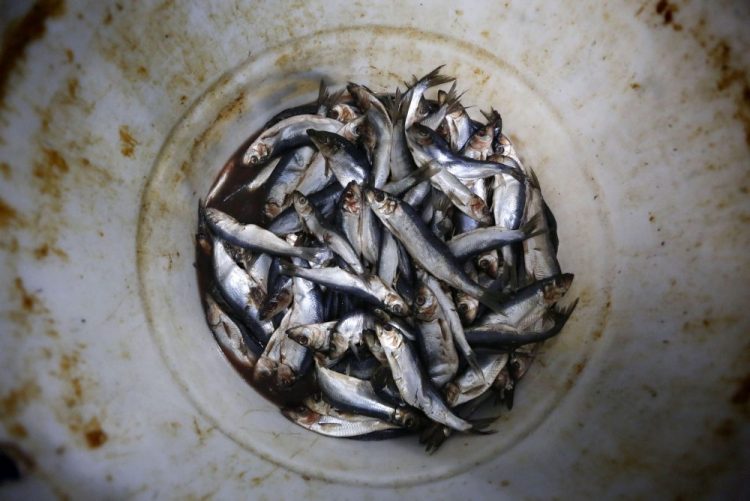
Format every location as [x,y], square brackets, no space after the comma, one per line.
[115,118]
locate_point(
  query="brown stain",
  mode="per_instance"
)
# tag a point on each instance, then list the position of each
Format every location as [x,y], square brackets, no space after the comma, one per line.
[505,483]
[741,395]
[127,141]
[22,33]
[667,11]
[8,214]
[283,60]
[29,302]
[142,71]
[45,250]
[68,372]
[5,170]
[69,56]
[94,434]
[49,170]
[15,400]
[17,430]
[72,86]
[635,86]
[107,18]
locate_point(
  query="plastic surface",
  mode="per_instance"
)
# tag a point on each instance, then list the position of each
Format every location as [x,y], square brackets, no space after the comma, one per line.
[115,120]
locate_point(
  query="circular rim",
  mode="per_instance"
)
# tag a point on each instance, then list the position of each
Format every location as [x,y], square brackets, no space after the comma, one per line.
[201,112]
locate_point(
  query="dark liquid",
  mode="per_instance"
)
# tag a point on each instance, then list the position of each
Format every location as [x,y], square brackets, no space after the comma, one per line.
[247,208]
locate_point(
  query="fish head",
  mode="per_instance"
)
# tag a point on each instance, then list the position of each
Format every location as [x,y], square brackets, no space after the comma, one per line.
[285,376]
[396,305]
[256,153]
[556,288]
[351,130]
[343,112]
[265,368]
[307,335]
[425,304]
[351,200]
[301,415]
[301,204]
[451,393]
[328,143]
[421,135]
[388,336]
[479,210]
[467,307]
[380,201]
[489,263]
[407,418]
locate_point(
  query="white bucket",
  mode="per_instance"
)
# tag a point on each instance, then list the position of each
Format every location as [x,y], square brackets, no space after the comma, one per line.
[118,120]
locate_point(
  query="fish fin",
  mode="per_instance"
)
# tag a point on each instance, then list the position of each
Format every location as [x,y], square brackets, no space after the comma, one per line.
[531,228]
[317,255]
[533,180]
[360,95]
[287,268]
[563,313]
[326,99]
[471,358]
[480,425]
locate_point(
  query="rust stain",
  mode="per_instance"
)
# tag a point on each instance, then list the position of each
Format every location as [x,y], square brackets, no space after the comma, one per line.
[72,86]
[94,434]
[21,34]
[49,171]
[635,86]
[69,55]
[107,18]
[15,400]
[127,141]
[5,170]
[29,301]
[667,11]
[8,214]
[142,71]
[17,430]
[283,60]
[45,250]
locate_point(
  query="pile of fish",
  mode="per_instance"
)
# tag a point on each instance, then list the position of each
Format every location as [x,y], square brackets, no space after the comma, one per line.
[402,270]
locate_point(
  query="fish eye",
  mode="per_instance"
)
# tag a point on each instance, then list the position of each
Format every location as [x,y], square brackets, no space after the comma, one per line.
[463,307]
[388,327]
[254,159]
[421,300]
[379,196]
[303,341]
[302,200]
[409,422]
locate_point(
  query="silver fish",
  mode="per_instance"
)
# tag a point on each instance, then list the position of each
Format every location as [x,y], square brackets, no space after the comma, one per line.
[466,245]
[242,294]
[315,177]
[436,339]
[337,424]
[346,161]
[529,304]
[468,385]
[285,179]
[424,247]
[243,351]
[540,256]
[412,385]
[325,201]
[325,234]
[356,395]
[254,237]
[382,130]
[288,133]
[368,287]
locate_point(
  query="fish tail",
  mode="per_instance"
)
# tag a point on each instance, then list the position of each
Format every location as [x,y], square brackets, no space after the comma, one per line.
[434,78]
[326,99]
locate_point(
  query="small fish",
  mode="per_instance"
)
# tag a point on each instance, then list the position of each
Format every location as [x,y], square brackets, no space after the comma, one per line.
[286,134]
[468,386]
[346,161]
[436,339]
[382,129]
[285,179]
[254,237]
[367,287]
[243,350]
[529,304]
[356,395]
[423,246]
[339,424]
[506,337]
[315,224]
[324,201]
[242,294]
[414,388]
